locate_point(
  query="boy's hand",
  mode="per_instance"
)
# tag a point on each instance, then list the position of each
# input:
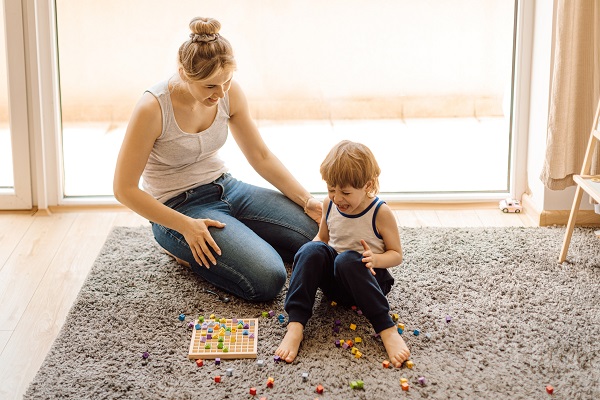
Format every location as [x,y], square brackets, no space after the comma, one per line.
[368,257]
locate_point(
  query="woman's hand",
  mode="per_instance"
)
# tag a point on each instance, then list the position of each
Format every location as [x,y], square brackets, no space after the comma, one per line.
[314,209]
[201,241]
[368,257]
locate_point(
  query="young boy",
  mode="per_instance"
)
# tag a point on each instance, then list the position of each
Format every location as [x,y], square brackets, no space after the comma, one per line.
[358,240]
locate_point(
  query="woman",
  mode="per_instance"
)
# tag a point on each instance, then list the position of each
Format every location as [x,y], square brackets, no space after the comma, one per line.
[235,235]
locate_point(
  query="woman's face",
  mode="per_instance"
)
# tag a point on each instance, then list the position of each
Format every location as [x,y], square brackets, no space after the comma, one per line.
[209,91]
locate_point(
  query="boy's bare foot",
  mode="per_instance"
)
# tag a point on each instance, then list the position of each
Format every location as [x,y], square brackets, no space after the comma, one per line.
[395,346]
[288,348]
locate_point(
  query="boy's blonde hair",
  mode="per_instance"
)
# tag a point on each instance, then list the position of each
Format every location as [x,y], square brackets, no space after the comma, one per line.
[351,164]
[206,53]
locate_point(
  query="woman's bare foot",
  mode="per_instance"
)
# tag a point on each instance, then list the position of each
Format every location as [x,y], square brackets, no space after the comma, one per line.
[395,346]
[179,260]
[288,348]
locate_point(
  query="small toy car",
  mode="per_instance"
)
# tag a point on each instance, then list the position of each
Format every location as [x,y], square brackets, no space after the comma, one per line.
[510,205]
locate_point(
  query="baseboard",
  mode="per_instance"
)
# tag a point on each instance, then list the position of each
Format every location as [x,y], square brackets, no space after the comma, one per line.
[530,210]
[557,217]
[561,217]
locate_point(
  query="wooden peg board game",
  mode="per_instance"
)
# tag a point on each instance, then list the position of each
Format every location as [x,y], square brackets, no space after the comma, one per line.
[224,338]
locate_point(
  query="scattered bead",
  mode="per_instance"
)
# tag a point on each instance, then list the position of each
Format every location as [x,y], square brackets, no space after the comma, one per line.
[199,362]
[182,317]
[304,376]
[253,391]
[409,364]
[353,327]
[357,384]
[320,389]
[260,363]
[549,389]
[217,361]
[218,378]
[229,371]
[145,355]
[386,364]
[422,380]
[448,319]
[416,332]
[270,382]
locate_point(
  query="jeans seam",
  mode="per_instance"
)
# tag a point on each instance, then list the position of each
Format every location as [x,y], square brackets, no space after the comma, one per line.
[240,276]
[220,264]
[277,222]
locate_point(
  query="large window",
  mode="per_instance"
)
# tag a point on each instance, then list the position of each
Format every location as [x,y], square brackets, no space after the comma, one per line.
[427,85]
[15,179]
[6,167]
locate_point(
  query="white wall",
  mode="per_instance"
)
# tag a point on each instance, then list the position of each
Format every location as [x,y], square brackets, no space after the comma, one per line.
[543,198]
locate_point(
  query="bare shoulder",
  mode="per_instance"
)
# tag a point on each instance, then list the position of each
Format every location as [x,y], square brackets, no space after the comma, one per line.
[146,117]
[385,215]
[237,99]
[148,106]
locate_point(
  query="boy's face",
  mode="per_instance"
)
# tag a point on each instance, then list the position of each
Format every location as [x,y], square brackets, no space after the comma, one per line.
[348,199]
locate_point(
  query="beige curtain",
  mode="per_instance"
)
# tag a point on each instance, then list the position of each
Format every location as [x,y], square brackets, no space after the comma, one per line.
[575,91]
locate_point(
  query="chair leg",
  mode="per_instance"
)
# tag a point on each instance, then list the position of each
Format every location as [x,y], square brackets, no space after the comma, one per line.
[571,224]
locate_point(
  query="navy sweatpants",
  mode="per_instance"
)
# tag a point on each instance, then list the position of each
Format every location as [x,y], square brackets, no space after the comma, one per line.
[343,278]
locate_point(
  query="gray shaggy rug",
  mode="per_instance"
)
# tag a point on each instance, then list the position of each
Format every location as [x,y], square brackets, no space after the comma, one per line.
[519,322]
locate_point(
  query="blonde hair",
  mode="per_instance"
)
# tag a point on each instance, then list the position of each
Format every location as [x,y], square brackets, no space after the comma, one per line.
[351,164]
[206,53]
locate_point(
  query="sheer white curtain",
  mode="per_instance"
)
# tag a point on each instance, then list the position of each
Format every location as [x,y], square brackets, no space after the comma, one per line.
[575,91]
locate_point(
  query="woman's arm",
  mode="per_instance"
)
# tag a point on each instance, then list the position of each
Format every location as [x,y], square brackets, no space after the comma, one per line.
[264,162]
[144,127]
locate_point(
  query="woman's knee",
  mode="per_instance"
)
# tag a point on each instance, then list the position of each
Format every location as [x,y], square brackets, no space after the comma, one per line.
[268,284]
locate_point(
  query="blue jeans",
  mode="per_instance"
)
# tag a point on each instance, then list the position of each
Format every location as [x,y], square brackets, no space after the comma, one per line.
[342,277]
[263,230]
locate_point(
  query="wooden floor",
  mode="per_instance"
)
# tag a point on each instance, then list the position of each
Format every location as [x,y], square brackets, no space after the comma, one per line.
[44,260]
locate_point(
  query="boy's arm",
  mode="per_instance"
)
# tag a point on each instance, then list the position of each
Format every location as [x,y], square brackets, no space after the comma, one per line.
[323,234]
[388,229]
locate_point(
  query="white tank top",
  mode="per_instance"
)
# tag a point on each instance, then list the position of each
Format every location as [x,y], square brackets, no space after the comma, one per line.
[345,230]
[180,161]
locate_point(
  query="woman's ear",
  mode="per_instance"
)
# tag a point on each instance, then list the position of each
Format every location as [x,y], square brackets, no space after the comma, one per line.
[181,74]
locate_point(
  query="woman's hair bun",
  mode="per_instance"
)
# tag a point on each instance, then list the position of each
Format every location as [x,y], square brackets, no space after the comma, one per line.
[205,26]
